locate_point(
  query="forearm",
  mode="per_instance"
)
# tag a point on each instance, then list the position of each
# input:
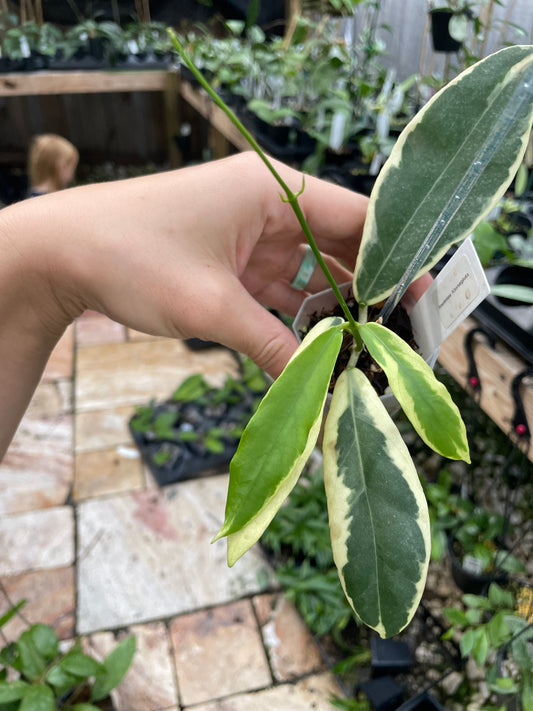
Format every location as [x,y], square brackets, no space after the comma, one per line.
[30,325]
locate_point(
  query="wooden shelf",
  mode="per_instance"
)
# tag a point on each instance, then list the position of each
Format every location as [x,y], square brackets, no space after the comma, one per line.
[202,102]
[102,81]
[82,82]
[497,367]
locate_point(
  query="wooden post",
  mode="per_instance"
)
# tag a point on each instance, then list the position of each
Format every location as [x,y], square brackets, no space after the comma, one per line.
[293,9]
[172,118]
[39,18]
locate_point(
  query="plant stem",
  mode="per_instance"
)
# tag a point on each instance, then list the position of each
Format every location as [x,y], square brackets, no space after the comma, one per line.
[291,198]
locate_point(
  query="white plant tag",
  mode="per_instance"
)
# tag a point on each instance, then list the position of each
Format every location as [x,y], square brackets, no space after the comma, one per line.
[472,565]
[336,136]
[460,286]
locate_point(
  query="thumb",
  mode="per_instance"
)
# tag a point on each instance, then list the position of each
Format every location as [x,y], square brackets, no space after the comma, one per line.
[258,334]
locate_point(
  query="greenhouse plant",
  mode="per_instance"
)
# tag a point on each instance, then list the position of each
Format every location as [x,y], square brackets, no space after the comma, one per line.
[451,165]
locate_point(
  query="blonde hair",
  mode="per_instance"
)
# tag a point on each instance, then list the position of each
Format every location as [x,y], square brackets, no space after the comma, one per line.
[48,155]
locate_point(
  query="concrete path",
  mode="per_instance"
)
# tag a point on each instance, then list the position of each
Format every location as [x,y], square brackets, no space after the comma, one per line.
[99,550]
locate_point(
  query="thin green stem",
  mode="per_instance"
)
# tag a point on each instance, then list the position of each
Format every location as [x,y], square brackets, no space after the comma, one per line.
[291,198]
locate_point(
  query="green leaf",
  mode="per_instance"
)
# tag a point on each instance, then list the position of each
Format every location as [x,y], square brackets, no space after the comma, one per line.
[81,665]
[505,685]
[164,423]
[161,457]
[116,664]
[522,652]
[488,240]
[425,400]
[12,690]
[61,680]
[480,648]
[427,165]
[30,662]
[527,694]
[379,521]
[279,438]
[467,642]
[191,389]
[499,597]
[85,707]
[39,697]
[498,630]
[45,640]
[476,601]
[456,617]
[513,291]
[11,612]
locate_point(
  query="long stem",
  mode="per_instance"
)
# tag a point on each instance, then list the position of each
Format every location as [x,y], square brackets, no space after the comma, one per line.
[291,198]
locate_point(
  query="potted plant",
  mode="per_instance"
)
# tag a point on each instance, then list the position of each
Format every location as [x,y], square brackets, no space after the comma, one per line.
[20,46]
[379,521]
[478,554]
[36,674]
[496,632]
[449,24]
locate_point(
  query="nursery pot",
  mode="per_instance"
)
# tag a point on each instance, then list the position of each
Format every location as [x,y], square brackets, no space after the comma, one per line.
[470,581]
[517,276]
[323,303]
[389,657]
[384,694]
[442,40]
[422,702]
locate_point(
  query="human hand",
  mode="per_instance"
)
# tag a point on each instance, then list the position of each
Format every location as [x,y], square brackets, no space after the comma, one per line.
[190,252]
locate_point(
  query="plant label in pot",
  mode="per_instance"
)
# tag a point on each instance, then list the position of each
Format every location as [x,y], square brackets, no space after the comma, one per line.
[448,169]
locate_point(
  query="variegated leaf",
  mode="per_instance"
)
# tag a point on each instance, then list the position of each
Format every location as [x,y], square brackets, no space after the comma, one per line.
[428,163]
[378,514]
[279,439]
[425,400]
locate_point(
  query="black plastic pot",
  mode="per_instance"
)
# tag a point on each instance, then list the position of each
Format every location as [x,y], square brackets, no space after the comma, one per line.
[516,276]
[389,657]
[422,702]
[518,223]
[442,40]
[470,582]
[384,693]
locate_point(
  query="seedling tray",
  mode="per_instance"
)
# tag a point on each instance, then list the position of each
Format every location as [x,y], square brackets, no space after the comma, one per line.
[182,438]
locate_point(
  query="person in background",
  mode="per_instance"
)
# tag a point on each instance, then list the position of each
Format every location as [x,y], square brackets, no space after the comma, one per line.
[52,163]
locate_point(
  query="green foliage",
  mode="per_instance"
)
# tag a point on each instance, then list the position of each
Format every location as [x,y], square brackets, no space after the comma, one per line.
[477,536]
[447,508]
[447,170]
[162,422]
[43,679]
[497,635]
[302,524]
[299,539]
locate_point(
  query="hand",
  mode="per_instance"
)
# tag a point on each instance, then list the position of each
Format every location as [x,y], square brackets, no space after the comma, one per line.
[193,252]
[190,252]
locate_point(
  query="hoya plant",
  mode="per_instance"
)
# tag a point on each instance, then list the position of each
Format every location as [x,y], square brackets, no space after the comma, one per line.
[450,166]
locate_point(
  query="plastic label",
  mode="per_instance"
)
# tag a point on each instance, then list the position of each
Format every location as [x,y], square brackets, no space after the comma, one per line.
[454,294]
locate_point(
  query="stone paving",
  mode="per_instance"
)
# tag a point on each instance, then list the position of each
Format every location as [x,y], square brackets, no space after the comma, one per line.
[99,550]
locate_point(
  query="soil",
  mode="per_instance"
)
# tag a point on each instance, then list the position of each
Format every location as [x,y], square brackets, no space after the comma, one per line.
[398,322]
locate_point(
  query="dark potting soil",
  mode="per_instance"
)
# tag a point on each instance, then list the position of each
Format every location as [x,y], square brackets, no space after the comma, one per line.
[398,322]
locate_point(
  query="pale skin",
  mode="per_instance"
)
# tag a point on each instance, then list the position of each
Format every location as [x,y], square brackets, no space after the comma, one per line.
[194,252]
